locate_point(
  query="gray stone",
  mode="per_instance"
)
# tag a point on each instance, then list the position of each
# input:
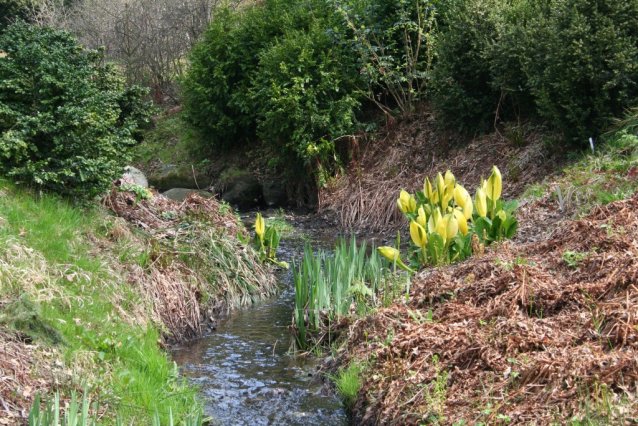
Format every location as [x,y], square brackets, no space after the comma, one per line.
[241,189]
[168,176]
[179,194]
[274,192]
[135,175]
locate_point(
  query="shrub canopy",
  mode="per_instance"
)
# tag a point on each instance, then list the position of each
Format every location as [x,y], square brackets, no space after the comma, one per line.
[573,63]
[67,122]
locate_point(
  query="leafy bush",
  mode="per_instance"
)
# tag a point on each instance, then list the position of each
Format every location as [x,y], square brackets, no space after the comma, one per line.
[584,70]
[295,74]
[574,63]
[67,121]
[272,70]
[479,73]
[395,41]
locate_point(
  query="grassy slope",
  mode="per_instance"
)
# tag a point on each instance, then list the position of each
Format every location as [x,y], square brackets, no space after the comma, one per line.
[51,255]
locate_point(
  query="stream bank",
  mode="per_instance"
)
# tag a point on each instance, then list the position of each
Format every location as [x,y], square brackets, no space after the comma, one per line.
[244,369]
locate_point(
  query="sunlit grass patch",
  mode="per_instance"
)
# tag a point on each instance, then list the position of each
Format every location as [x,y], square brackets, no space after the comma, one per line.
[63,286]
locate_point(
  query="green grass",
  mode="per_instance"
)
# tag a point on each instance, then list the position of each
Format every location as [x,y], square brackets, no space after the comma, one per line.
[348,383]
[609,174]
[52,274]
[171,139]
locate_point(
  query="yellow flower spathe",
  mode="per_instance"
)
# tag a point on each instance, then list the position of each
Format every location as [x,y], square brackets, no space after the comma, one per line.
[428,190]
[460,217]
[406,202]
[481,202]
[494,185]
[421,218]
[418,234]
[260,226]
[392,255]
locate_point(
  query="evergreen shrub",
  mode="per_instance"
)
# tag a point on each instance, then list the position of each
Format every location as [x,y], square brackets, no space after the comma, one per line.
[67,122]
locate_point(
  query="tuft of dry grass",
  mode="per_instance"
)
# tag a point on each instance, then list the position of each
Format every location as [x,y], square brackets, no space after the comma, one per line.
[193,266]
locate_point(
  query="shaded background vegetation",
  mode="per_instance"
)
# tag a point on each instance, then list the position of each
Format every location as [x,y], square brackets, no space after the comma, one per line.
[303,78]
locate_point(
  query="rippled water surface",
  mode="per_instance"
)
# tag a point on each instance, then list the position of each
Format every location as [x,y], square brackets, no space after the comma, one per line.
[245,373]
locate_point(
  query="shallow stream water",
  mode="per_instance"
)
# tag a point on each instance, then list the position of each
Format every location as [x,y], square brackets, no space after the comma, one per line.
[244,369]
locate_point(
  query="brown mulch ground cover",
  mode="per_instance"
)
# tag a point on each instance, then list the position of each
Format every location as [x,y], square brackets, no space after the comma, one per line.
[535,333]
[365,196]
[160,213]
[25,371]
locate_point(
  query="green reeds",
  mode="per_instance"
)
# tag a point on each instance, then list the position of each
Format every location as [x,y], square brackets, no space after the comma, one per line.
[77,413]
[327,285]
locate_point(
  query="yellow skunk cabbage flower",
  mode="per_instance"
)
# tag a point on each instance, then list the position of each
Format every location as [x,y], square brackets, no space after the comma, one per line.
[419,237]
[481,202]
[440,183]
[448,194]
[406,202]
[458,214]
[260,226]
[449,178]
[392,254]
[463,200]
[494,185]
[434,220]
[441,228]
[502,215]
[451,226]
[460,195]
[427,189]
[435,197]
[421,218]
[412,204]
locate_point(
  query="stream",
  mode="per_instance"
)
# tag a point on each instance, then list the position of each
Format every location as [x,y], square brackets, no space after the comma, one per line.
[244,370]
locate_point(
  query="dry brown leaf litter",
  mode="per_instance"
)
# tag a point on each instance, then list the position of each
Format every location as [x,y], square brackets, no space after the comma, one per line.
[522,334]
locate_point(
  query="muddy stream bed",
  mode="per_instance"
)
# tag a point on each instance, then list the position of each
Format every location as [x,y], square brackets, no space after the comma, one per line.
[244,369]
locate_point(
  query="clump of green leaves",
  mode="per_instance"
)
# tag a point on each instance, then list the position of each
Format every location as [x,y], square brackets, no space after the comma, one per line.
[67,122]
[446,226]
[348,383]
[573,258]
[266,241]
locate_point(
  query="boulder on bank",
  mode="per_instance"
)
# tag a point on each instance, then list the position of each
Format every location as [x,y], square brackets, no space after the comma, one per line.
[179,194]
[168,176]
[274,192]
[135,175]
[241,189]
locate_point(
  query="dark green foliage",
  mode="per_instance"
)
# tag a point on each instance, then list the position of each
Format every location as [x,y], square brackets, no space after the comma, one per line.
[479,70]
[585,68]
[67,121]
[395,43]
[304,93]
[574,63]
[277,71]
